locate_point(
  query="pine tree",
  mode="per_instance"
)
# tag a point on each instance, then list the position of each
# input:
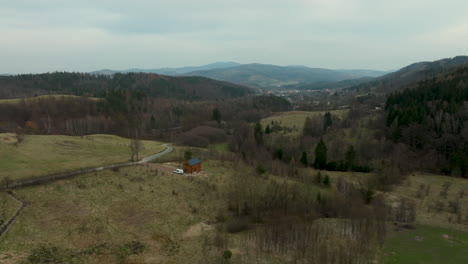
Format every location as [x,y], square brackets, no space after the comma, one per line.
[258,134]
[304,160]
[320,161]
[217,116]
[279,154]
[350,158]
[327,121]
[153,122]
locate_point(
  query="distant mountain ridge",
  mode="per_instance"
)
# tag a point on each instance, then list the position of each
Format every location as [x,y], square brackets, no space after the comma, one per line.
[258,75]
[171,71]
[274,77]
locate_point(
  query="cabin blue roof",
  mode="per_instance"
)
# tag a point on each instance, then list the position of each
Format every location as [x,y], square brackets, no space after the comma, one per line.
[193,161]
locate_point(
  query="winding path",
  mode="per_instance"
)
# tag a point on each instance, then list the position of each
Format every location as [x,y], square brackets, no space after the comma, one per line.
[64,175]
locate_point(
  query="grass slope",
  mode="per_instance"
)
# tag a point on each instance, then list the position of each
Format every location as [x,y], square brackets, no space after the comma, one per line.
[39,154]
[426,245]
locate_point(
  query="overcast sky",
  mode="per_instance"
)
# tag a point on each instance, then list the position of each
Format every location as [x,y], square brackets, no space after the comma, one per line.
[86,35]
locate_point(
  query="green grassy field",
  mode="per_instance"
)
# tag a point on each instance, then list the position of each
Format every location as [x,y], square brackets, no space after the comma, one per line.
[426,245]
[56,96]
[39,155]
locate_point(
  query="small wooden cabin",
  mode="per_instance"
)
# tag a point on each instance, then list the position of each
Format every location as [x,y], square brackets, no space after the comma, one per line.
[192,166]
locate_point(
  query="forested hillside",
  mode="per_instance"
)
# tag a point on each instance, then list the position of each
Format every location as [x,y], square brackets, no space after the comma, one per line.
[124,112]
[191,88]
[432,117]
[410,74]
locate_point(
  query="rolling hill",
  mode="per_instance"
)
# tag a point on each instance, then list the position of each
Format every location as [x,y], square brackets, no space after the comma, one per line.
[272,76]
[83,84]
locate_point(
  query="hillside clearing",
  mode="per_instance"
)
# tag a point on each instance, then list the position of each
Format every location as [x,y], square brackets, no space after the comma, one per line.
[295,119]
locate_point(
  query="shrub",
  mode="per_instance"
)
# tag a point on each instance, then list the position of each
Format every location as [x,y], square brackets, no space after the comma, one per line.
[318,178]
[260,169]
[332,166]
[362,168]
[445,189]
[130,248]
[454,206]
[220,217]
[45,254]
[227,254]
[326,181]
[237,224]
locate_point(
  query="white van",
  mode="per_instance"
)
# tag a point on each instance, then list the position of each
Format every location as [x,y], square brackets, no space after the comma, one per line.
[179,171]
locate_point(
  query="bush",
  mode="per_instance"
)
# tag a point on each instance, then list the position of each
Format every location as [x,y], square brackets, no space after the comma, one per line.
[332,166]
[341,166]
[362,168]
[237,224]
[326,181]
[260,169]
[318,178]
[45,254]
[130,248]
[227,254]
[220,217]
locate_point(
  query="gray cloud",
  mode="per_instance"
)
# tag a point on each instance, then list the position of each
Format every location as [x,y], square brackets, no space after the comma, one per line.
[49,35]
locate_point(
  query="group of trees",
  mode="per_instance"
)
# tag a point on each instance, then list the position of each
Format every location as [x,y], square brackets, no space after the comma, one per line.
[349,164]
[288,220]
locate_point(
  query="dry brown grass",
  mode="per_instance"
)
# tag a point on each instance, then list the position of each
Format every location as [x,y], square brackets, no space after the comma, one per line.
[162,210]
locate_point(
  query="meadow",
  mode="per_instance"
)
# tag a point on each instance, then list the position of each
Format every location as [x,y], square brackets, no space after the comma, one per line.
[425,245]
[43,154]
[294,120]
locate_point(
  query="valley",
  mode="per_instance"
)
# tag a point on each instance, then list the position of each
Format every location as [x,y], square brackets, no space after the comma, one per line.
[335,175]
